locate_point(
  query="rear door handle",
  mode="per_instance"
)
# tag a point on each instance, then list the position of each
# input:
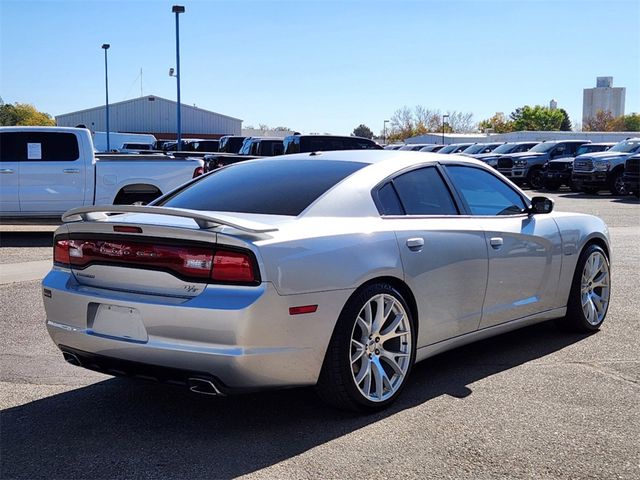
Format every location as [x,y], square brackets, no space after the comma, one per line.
[6,170]
[71,170]
[415,244]
[496,242]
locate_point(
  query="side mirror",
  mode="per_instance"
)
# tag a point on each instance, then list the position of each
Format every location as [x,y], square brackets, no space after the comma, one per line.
[541,205]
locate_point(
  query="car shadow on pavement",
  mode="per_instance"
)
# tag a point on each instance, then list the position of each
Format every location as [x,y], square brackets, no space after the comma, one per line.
[26,239]
[125,429]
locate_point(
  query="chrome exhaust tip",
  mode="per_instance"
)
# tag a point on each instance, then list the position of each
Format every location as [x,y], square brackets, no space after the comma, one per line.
[203,386]
[71,358]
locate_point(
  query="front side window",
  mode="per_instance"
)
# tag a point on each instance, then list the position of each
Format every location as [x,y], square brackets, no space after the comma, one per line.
[484,193]
[423,192]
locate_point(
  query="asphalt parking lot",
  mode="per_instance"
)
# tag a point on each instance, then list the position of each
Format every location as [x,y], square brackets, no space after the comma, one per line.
[535,403]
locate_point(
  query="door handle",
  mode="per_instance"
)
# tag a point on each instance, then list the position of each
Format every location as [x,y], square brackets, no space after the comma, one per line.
[415,244]
[71,170]
[496,242]
[6,170]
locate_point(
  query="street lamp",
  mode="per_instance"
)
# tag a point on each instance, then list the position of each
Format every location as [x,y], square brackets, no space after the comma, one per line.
[106,46]
[178,9]
[443,123]
[384,132]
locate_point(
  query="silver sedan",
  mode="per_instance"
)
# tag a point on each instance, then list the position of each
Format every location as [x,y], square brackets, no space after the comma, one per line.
[337,269]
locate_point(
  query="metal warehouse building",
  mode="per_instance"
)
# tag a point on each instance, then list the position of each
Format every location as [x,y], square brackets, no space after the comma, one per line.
[155,115]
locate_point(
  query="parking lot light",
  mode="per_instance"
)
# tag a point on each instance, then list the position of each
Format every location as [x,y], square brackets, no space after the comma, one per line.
[105,47]
[444,118]
[178,9]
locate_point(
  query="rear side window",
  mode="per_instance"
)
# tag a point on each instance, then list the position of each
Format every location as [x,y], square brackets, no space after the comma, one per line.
[423,192]
[37,146]
[277,187]
[485,193]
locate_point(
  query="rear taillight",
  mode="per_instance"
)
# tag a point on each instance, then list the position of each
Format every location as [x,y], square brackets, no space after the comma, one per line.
[234,267]
[198,171]
[188,262]
[61,252]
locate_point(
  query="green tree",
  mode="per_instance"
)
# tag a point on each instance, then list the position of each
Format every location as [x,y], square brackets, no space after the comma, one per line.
[632,122]
[536,118]
[498,123]
[362,131]
[565,126]
[23,114]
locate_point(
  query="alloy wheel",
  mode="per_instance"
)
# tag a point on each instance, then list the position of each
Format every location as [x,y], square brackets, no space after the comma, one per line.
[380,347]
[595,288]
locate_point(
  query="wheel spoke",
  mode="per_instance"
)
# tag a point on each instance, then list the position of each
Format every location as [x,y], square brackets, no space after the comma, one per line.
[390,359]
[601,280]
[390,331]
[378,375]
[380,315]
[358,352]
[365,369]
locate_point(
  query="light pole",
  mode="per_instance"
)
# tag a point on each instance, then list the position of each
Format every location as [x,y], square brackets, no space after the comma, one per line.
[384,131]
[178,9]
[446,116]
[106,46]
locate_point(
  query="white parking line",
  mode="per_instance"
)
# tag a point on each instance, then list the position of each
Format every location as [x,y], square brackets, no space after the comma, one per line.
[24,271]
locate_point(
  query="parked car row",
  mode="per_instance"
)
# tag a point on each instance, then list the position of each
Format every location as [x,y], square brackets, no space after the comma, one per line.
[550,164]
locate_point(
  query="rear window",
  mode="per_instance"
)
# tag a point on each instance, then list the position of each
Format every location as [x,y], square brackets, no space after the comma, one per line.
[36,146]
[276,187]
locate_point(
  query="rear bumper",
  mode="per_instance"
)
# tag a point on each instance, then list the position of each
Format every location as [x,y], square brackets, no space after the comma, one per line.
[243,337]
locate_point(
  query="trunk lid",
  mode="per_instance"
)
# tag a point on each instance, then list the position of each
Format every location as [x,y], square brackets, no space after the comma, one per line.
[159,254]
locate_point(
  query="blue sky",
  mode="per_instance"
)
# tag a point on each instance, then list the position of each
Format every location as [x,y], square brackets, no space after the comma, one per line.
[321,66]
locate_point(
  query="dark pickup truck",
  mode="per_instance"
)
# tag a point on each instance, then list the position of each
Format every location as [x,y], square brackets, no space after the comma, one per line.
[603,170]
[631,176]
[557,172]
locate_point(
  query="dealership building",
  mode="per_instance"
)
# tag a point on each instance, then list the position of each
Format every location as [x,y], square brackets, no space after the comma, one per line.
[154,115]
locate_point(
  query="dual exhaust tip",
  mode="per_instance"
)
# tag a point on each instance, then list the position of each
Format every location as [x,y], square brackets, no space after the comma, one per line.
[196,385]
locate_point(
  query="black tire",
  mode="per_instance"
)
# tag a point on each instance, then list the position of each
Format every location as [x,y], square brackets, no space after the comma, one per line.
[616,185]
[535,178]
[336,384]
[575,320]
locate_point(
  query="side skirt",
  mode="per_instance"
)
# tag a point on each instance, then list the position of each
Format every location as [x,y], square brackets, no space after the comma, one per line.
[436,348]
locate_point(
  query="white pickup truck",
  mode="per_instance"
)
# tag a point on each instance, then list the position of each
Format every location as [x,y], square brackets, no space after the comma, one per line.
[45,171]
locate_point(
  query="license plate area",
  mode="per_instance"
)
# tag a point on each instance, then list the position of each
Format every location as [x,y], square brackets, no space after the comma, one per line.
[114,321]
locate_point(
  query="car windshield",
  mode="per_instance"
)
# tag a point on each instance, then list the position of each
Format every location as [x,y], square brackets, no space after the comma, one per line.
[475,148]
[627,146]
[506,148]
[543,147]
[448,148]
[275,187]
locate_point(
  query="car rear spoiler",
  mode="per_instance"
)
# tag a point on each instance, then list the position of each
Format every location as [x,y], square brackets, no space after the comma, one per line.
[202,219]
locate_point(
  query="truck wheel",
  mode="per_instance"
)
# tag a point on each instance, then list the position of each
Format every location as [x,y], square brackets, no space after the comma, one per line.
[590,292]
[616,184]
[535,178]
[371,352]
